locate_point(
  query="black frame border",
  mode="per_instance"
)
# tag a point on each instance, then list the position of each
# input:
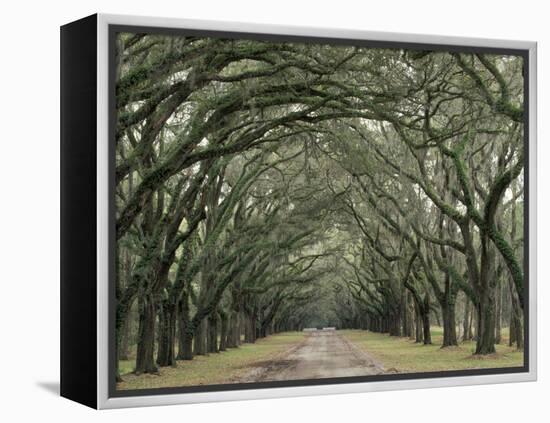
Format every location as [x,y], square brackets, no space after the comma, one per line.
[115,29]
[78,211]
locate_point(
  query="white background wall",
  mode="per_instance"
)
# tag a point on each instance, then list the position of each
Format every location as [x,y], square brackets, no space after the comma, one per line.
[29,208]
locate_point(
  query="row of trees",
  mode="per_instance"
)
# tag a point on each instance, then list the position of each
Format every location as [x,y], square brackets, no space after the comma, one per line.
[439,203]
[256,180]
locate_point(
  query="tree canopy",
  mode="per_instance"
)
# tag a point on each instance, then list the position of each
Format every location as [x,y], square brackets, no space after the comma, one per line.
[270,186]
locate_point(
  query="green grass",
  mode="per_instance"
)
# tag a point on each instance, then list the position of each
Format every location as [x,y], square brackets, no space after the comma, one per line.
[127,366]
[217,368]
[405,356]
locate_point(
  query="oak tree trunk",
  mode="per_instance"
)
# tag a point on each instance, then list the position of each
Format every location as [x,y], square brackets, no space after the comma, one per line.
[145,362]
[449,325]
[167,334]
[223,331]
[485,334]
[234,335]
[467,324]
[185,332]
[419,337]
[498,314]
[199,337]
[212,335]
[426,321]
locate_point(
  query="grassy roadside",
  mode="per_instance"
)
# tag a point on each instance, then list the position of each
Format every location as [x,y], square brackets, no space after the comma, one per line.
[405,356]
[211,369]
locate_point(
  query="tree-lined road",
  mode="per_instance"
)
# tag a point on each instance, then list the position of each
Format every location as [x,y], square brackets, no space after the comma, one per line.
[323,354]
[263,187]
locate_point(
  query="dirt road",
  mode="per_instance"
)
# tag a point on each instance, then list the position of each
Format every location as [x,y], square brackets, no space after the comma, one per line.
[323,354]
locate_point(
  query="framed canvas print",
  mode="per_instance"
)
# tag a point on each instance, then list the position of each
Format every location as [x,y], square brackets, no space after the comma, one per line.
[254,211]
